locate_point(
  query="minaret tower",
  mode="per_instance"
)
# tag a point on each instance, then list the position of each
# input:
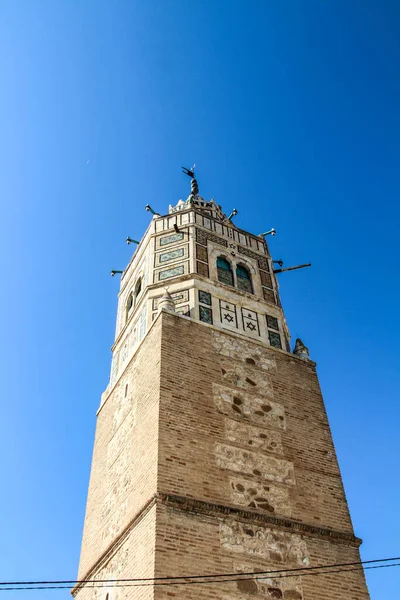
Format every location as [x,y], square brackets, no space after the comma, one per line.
[213,453]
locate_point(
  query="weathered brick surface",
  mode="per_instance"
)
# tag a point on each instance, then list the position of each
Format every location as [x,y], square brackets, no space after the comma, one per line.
[189,544]
[124,466]
[193,427]
[228,442]
[132,557]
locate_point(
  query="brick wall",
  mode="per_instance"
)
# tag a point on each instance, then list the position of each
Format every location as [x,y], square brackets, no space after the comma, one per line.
[226,443]
[124,467]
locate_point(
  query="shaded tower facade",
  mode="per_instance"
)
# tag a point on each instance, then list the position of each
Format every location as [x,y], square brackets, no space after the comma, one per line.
[213,453]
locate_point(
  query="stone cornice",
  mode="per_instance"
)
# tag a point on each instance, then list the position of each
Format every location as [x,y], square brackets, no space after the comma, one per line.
[201,507]
[220,512]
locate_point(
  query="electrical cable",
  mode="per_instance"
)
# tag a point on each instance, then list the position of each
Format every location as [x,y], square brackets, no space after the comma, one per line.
[210,578]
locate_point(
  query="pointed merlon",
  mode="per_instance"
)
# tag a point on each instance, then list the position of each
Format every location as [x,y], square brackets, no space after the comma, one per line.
[301,350]
[166,302]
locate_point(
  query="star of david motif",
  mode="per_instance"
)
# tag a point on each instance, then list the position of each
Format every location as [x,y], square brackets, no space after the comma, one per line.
[251,326]
[228,317]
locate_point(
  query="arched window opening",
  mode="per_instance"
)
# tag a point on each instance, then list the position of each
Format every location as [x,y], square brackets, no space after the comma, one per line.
[129,305]
[224,269]
[138,288]
[243,278]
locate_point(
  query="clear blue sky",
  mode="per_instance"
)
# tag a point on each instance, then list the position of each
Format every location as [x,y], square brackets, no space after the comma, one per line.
[290,109]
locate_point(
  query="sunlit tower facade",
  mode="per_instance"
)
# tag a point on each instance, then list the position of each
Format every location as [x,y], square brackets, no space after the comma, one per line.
[213,453]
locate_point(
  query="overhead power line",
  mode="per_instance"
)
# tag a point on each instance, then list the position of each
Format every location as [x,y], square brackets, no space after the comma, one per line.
[195,579]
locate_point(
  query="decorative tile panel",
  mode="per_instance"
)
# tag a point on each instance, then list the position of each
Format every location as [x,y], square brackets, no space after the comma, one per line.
[201,253]
[202,269]
[250,321]
[269,295]
[275,339]
[170,239]
[204,297]
[228,313]
[203,236]
[262,262]
[171,255]
[266,279]
[168,273]
[205,314]
[272,322]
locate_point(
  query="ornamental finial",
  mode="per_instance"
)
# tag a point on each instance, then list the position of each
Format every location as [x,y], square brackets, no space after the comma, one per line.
[194,187]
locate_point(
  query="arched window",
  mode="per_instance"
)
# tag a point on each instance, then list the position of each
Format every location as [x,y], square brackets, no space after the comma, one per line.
[225,273]
[129,305]
[138,288]
[243,279]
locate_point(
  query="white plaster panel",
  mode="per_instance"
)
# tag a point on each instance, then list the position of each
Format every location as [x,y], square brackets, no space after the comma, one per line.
[261,495]
[275,545]
[252,463]
[253,408]
[259,439]
[246,378]
[237,349]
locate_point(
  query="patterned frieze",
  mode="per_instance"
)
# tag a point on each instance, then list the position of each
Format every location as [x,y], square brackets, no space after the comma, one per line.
[240,237]
[261,260]
[161,275]
[170,239]
[173,255]
[203,236]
